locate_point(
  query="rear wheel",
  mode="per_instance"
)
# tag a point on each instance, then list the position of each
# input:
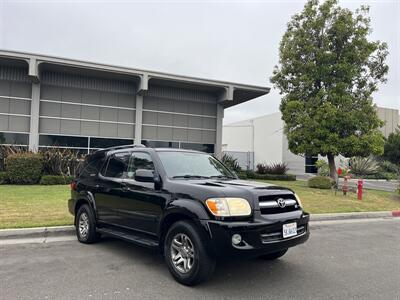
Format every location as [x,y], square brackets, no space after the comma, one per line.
[85,225]
[185,254]
[274,255]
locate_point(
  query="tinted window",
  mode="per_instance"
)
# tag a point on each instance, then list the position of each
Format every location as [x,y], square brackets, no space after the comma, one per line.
[63,141]
[14,138]
[106,143]
[160,144]
[91,166]
[208,148]
[117,165]
[139,160]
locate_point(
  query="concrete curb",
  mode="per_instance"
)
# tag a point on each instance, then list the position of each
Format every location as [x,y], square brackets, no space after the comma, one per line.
[41,232]
[355,215]
[56,231]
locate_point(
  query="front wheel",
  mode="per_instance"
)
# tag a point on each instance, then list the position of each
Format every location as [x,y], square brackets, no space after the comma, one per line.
[185,254]
[274,255]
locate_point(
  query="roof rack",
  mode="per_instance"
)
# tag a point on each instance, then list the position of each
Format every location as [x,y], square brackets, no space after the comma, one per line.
[124,146]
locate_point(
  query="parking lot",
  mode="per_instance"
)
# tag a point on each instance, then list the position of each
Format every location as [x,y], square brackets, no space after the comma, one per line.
[342,260]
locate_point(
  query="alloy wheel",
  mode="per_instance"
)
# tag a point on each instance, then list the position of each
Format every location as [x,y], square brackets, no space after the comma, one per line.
[182,253]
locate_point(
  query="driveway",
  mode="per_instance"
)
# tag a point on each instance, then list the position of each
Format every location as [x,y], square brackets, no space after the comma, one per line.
[342,260]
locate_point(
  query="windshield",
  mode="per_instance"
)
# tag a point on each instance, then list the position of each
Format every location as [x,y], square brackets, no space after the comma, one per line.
[193,165]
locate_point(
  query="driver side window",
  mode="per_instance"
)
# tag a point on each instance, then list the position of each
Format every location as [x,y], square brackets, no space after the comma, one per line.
[139,160]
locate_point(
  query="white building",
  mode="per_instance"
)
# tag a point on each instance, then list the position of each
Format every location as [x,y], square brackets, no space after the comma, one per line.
[262,140]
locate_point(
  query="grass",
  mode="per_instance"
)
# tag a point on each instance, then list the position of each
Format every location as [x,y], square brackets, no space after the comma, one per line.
[34,206]
[325,201]
[39,205]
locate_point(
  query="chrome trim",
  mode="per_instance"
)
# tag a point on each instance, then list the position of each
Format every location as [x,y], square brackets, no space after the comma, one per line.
[284,240]
[272,204]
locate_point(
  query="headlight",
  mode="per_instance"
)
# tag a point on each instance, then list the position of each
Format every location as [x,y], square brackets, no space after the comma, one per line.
[229,207]
[298,200]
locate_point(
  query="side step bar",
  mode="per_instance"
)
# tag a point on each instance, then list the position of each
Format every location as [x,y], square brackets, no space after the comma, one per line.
[133,237]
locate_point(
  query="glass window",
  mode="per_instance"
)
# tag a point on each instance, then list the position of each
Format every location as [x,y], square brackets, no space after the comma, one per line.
[91,165]
[160,144]
[207,148]
[191,164]
[118,165]
[139,160]
[63,141]
[107,143]
[14,138]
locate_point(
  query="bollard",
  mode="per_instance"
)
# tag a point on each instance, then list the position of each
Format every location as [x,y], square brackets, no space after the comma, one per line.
[345,187]
[359,189]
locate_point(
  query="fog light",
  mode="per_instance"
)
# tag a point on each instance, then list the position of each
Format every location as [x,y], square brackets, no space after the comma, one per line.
[236,239]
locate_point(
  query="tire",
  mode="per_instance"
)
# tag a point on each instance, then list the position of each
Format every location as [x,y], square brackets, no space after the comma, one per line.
[85,225]
[274,255]
[185,242]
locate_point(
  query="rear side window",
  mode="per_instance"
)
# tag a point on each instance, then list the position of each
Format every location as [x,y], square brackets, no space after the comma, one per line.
[117,165]
[91,166]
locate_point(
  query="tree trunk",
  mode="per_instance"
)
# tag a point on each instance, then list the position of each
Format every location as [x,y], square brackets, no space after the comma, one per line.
[332,167]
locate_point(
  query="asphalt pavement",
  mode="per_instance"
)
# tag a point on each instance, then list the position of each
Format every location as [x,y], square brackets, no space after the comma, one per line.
[349,259]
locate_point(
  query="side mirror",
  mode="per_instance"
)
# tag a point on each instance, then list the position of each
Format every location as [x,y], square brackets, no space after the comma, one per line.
[143,175]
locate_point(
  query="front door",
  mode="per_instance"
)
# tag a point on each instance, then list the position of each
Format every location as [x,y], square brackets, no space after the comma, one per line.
[142,204]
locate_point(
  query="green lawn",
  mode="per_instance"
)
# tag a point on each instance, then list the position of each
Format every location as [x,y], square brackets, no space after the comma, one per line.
[35,205]
[325,201]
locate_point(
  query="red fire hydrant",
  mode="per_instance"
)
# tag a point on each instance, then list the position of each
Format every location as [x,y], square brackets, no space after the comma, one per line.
[359,189]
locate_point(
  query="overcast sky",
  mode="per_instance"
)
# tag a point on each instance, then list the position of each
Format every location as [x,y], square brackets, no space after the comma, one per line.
[227,40]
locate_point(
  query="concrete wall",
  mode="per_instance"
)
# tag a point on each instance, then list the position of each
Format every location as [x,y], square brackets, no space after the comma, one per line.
[391,118]
[263,136]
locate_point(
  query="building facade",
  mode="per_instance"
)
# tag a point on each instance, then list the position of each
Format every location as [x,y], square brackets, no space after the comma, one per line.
[49,101]
[263,140]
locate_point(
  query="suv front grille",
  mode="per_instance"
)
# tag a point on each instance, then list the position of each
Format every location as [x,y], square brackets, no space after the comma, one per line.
[269,204]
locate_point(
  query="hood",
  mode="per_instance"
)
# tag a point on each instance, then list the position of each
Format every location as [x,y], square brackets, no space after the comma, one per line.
[202,189]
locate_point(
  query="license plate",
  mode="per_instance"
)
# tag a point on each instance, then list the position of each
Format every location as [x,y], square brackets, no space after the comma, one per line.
[289,230]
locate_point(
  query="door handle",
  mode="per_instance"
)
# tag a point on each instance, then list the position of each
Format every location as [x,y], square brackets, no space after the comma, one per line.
[124,186]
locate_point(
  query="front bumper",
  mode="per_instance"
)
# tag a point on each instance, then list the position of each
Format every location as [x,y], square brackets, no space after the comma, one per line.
[261,236]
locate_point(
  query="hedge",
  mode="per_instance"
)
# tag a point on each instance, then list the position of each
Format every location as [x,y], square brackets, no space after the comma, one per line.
[24,168]
[56,179]
[253,175]
[320,182]
[3,177]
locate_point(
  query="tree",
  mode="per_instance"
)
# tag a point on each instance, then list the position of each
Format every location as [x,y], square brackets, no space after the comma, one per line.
[392,147]
[328,70]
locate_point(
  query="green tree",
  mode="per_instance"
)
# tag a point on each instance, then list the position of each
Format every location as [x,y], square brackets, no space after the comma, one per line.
[328,70]
[392,147]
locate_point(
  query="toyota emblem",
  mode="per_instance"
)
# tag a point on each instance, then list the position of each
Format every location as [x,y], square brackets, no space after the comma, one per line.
[281,202]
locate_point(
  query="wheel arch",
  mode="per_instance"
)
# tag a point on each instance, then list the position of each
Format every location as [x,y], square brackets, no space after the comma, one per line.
[183,209]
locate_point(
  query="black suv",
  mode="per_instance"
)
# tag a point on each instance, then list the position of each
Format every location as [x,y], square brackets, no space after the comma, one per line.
[187,204]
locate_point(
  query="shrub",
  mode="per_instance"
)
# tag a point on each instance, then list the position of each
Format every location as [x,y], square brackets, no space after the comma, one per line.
[364,165]
[59,161]
[252,175]
[55,179]
[24,168]
[323,167]
[387,166]
[320,182]
[231,163]
[275,168]
[3,177]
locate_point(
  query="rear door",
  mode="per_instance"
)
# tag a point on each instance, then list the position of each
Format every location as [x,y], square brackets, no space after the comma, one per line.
[109,188]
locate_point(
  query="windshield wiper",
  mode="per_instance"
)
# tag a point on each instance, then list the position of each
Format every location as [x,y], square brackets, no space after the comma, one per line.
[189,176]
[222,177]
